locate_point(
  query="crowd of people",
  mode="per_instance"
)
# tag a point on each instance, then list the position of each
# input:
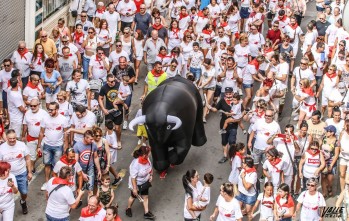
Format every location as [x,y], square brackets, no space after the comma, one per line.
[68,98]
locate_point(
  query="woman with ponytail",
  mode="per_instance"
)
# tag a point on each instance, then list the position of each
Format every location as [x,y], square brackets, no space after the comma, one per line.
[141,176]
[236,155]
[193,189]
[273,167]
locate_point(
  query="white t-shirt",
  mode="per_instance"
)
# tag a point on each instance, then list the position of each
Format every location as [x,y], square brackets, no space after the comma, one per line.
[124,90]
[103,35]
[206,74]
[282,69]
[236,163]
[339,126]
[77,168]
[241,55]
[15,155]
[127,7]
[65,109]
[66,67]
[6,194]
[274,172]
[233,22]
[266,205]
[14,101]
[249,178]
[331,32]
[293,34]
[54,129]
[87,121]
[78,91]
[31,93]
[298,73]
[33,121]
[112,20]
[310,202]
[140,172]
[255,42]
[200,23]
[98,69]
[114,58]
[196,192]
[263,131]
[281,147]
[4,78]
[225,39]
[58,204]
[228,211]
[204,194]
[22,63]
[186,49]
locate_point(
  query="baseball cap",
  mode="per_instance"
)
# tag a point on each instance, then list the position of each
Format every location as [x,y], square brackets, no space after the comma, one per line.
[331,128]
[229,90]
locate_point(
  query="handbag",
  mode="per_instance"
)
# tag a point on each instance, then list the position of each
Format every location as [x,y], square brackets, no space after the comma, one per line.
[74,13]
[144,186]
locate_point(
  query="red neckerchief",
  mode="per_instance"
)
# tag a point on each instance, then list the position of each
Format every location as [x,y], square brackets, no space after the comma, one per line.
[313,154]
[64,159]
[162,56]
[175,32]
[289,203]
[250,170]
[228,101]
[293,26]
[208,32]
[253,14]
[22,53]
[157,27]
[173,55]
[309,91]
[32,86]
[330,76]
[156,74]
[85,212]
[268,50]
[99,60]
[58,180]
[77,36]
[181,16]
[287,140]
[224,24]
[255,63]
[101,10]
[259,115]
[283,18]
[268,82]
[275,162]
[143,160]
[201,14]
[39,57]
[240,155]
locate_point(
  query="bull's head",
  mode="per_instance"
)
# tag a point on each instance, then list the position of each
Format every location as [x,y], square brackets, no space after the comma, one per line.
[159,131]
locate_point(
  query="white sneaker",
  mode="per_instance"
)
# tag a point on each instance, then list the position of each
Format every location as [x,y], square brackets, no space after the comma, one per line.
[139,141]
[240,92]
[296,118]
[124,125]
[43,187]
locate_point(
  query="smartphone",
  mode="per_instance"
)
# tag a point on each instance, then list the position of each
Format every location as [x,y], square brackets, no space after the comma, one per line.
[10,180]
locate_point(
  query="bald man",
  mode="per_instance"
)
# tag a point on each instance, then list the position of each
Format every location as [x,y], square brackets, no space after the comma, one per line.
[31,128]
[151,49]
[93,210]
[49,45]
[22,59]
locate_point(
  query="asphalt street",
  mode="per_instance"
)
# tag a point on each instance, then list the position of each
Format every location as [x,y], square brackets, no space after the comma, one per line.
[166,196]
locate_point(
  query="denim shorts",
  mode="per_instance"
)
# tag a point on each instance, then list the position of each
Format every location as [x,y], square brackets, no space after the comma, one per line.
[258,156]
[22,182]
[52,154]
[244,13]
[4,99]
[196,72]
[320,9]
[247,85]
[50,218]
[249,200]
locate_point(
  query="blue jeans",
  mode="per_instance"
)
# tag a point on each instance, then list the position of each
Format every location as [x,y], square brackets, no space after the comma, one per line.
[4,99]
[91,176]
[196,72]
[52,154]
[50,218]
[85,64]
[249,200]
[22,182]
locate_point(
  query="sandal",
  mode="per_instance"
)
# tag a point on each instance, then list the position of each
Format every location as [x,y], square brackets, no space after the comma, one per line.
[330,193]
[119,146]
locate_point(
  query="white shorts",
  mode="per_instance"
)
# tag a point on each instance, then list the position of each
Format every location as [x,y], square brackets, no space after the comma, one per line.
[324,99]
[32,145]
[306,109]
[139,58]
[343,162]
[51,98]
[113,155]
[295,50]
[17,127]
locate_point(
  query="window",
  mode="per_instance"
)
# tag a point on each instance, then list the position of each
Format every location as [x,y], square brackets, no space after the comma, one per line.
[51,6]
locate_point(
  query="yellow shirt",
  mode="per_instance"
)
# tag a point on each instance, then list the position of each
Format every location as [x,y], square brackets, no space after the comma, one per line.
[49,47]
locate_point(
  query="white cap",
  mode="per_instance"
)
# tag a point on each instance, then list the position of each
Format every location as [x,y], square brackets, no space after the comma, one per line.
[100,4]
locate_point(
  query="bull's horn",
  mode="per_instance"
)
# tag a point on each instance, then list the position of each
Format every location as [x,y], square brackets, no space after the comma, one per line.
[176,120]
[137,120]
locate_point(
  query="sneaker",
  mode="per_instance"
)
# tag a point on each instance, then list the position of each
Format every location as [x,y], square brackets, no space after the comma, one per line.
[222,131]
[223,160]
[80,203]
[24,207]
[296,118]
[124,127]
[172,166]
[149,215]
[139,142]
[34,171]
[204,120]
[163,174]
[117,181]
[43,187]
[244,131]
[240,92]
[129,212]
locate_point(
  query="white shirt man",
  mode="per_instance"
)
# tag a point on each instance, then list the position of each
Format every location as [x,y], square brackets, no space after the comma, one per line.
[98,66]
[113,19]
[21,59]
[81,121]
[127,10]
[78,91]
[16,106]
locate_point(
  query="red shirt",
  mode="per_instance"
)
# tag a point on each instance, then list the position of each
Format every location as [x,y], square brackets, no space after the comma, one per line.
[274,35]
[138,4]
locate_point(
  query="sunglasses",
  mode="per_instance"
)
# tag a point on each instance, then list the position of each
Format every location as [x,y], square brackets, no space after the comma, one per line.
[220,32]
[34,105]
[90,32]
[101,53]
[44,36]
[7,65]
[268,115]
[304,64]
[223,57]
[258,106]
[188,36]
[341,45]
[98,135]
[126,33]
[65,42]
[312,185]
[111,82]
[50,110]
[60,99]
[82,16]
[142,8]
[314,149]
[173,66]
[119,46]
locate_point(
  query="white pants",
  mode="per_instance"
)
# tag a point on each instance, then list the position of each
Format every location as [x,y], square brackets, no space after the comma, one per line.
[7,215]
[32,149]
[288,180]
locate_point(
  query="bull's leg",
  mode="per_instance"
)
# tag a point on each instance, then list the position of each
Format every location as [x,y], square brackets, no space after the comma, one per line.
[160,156]
[179,151]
